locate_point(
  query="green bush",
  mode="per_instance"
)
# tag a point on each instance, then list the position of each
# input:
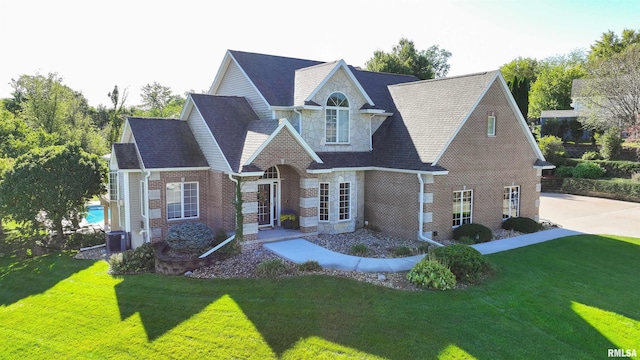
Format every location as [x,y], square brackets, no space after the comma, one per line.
[591,155]
[402,251]
[614,169]
[610,144]
[271,268]
[189,236]
[134,261]
[465,262]
[423,248]
[359,249]
[310,266]
[521,224]
[478,232]
[588,170]
[621,190]
[552,149]
[467,240]
[563,171]
[429,273]
[79,240]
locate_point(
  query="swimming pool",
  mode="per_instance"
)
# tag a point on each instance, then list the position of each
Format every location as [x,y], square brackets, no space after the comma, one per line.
[95,214]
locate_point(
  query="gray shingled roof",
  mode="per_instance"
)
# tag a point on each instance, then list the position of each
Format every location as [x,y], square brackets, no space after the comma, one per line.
[342,159]
[307,80]
[126,156]
[429,114]
[166,143]
[234,125]
[274,76]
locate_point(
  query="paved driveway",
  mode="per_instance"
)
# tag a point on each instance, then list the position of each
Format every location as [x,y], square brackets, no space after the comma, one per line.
[591,215]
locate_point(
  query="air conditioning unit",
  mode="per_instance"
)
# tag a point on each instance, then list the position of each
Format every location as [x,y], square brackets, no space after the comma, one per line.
[117,241]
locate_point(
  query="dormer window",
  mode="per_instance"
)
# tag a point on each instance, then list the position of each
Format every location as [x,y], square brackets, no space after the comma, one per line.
[337,119]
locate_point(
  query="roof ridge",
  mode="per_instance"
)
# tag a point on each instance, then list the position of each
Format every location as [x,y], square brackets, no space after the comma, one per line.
[275,56]
[382,72]
[318,65]
[150,118]
[448,78]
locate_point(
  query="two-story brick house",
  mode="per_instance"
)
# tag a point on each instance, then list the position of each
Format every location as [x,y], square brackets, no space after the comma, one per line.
[339,146]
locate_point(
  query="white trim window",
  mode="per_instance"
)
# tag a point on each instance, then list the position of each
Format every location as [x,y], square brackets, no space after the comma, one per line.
[491,125]
[323,207]
[511,202]
[462,207]
[344,205]
[337,119]
[182,200]
[113,186]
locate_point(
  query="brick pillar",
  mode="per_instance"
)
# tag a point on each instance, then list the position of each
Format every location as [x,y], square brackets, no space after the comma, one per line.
[250,208]
[308,205]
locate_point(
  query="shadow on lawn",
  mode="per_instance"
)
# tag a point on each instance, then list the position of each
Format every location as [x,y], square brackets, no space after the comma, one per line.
[524,312]
[23,278]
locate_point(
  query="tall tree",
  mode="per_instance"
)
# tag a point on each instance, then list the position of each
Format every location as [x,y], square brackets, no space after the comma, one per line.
[58,180]
[522,68]
[406,59]
[116,117]
[520,90]
[610,44]
[157,99]
[47,104]
[612,91]
[552,88]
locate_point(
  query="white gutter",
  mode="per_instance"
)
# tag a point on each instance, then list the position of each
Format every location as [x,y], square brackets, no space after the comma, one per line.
[299,120]
[146,229]
[421,214]
[211,251]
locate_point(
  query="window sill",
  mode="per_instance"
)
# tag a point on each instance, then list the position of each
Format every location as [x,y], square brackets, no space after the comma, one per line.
[187,218]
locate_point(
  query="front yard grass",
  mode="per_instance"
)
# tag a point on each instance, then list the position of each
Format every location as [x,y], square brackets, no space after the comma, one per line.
[574,298]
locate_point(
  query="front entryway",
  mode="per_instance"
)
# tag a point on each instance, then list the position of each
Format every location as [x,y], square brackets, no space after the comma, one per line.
[269,198]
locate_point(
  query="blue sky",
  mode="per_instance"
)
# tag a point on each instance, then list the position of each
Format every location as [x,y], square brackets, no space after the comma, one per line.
[94,45]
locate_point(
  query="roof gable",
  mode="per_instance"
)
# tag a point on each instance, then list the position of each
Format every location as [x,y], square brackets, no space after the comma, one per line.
[125,156]
[314,78]
[165,143]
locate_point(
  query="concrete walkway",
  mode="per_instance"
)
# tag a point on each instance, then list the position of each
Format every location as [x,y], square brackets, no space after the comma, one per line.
[300,251]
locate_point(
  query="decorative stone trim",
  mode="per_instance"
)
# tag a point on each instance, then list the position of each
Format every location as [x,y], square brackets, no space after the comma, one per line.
[250,207]
[154,194]
[308,229]
[155,176]
[427,178]
[309,202]
[537,203]
[427,217]
[306,183]
[249,186]
[538,187]
[248,229]
[428,234]
[308,221]
[155,213]
[156,232]
[427,198]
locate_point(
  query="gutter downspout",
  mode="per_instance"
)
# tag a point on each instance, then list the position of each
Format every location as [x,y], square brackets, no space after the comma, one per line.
[421,214]
[211,251]
[370,132]
[146,230]
[299,120]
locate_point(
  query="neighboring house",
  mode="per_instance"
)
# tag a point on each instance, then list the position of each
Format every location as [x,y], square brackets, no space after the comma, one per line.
[568,117]
[339,146]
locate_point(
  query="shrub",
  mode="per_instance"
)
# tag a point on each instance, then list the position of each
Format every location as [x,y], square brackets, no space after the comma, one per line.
[423,248]
[563,171]
[521,224]
[552,149]
[478,232]
[79,240]
[359,249]
[619,169]
[466,263]
[591,155]
[310,266]
[588,170]
[610,144]
[271,268]
[402,251]
[622,190]
[467,240]
[134,261]
[190,236]
[429,273]
[219,236]
[232,248]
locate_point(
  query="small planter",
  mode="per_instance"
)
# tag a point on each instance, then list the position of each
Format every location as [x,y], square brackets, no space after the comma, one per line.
[289,219]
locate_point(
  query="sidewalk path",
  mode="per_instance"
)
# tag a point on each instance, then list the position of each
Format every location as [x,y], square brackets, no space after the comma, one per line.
[300,251]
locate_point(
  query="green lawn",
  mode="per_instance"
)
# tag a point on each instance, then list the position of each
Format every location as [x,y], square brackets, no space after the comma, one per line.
[572,298]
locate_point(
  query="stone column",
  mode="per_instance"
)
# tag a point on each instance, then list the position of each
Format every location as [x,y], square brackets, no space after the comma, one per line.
[308,205]
[250,208]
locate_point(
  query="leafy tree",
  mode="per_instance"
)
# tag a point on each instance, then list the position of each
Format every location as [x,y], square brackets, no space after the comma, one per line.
[45,103]
[116,115]
[519,88]
[519,74]
[612,91]
[159,101]
[610,44]
[552,89]
[405,59]
[58,180]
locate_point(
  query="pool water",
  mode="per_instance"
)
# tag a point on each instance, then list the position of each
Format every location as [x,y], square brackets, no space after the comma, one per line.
[95,214]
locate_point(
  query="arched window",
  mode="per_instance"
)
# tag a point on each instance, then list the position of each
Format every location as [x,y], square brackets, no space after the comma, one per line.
[337,119]
[271,173]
